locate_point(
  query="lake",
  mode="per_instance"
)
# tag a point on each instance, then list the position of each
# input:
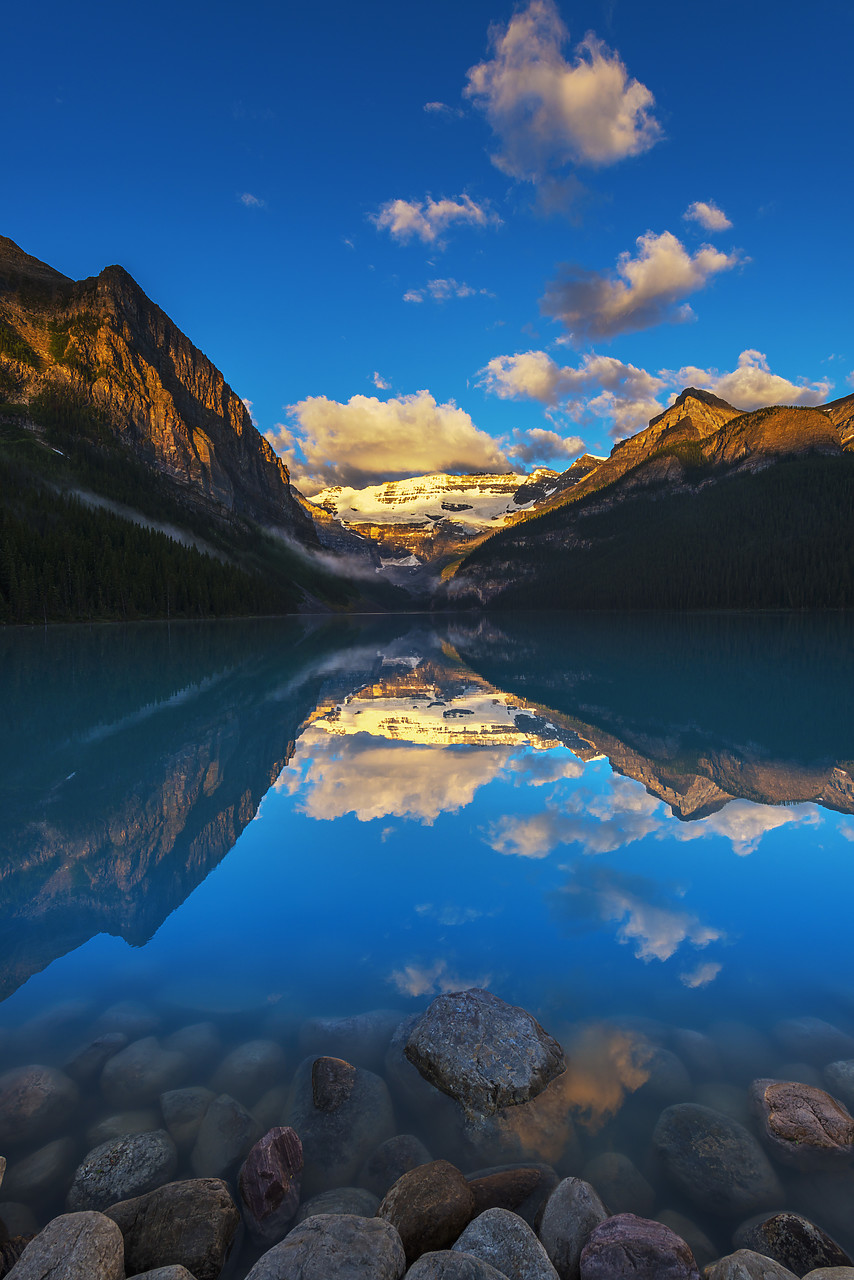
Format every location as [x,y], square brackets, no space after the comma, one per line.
[639,828]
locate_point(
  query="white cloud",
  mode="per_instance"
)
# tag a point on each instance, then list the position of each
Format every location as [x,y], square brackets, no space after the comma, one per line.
[752,385]
[443,289]
[252,202]
[427,219]
[605,390]
[368,440]
[646,290]
[539,445]
[599,388]
[380,382]
[599,824]
[433,979]
[547,112]
[707,213]
[248,405]
[443,111]
[656,931]
[702,975]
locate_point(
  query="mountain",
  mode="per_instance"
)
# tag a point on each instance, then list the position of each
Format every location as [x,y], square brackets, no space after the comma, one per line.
[133,482]
[103,341]
[428,520]
[705,508]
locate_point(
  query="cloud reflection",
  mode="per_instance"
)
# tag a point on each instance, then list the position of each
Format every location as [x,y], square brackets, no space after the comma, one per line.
[744,823]
[655,928]
[432,979]
[376,778]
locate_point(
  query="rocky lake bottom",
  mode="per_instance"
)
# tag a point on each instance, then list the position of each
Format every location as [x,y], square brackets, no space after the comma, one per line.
[240,866]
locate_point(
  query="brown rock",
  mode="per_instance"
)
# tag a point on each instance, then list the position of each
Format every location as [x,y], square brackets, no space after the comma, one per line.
[34,1102]
[190,1223]
[628,1246]
[803,1126]
[429,1207]
[505,1190]
[269,1184]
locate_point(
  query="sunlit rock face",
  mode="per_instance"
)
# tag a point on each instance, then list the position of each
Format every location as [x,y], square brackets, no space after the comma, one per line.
[841,414]
[105,341]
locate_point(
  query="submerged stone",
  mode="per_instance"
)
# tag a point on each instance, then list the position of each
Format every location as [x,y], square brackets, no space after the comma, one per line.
[483,1052]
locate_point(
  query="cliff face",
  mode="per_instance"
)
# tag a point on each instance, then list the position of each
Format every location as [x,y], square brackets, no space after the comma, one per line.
[109,344]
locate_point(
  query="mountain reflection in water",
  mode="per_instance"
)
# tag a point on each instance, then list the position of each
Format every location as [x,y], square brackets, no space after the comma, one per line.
[133,759]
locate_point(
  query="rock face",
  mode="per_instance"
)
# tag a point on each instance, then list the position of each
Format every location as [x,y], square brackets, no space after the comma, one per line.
[483,1052]
[793,1241]
[507,1243]
[714,1161]
[429,1207]
[166,401]
[75,1246]
[191,1224]
[126,1167]
[637,1249]
[801,1125]
[571,1213]
[34,1102]
[270,1183]
[341,1245]
[340,1112]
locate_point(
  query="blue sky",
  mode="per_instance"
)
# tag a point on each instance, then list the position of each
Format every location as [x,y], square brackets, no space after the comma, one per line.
[471,218]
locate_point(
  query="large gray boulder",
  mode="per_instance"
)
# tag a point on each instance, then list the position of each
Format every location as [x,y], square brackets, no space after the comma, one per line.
[506,1242]
[448,1264]
[250,1070]
[226,1135]
[569,1216]
[75,1246]
[139,1073]
[35,1102]
[801,1125]
[126,1167]
[190,1224]
[341,1113]
[483,1052]
[335,1247]
[627,1247]
[714,1161]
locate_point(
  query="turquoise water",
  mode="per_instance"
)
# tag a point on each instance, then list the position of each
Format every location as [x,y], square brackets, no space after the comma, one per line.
[605,820]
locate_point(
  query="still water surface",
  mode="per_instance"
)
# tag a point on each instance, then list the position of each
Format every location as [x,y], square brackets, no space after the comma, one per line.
[630,826]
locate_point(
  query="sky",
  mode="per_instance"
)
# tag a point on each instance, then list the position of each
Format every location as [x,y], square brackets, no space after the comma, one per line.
[441,237]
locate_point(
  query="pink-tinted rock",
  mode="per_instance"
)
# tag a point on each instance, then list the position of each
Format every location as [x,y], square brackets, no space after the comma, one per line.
[801,1125]
[270,1184]
[636,1248]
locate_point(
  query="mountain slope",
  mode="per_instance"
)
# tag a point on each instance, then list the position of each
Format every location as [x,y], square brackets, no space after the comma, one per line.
[104,342]
[756,514]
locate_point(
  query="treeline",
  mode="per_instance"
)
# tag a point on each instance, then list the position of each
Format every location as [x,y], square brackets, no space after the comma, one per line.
[61,561]
[780,538]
